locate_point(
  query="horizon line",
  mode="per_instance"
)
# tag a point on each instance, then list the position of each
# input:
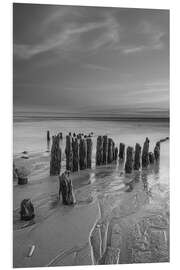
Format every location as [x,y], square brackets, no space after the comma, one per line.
[100,118]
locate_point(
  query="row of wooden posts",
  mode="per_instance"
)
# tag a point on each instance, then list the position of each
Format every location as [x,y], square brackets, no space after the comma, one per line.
[106,152]
[78,156]
[79,153]
[134,159]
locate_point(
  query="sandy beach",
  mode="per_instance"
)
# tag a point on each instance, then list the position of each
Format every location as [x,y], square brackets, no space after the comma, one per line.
[114,214]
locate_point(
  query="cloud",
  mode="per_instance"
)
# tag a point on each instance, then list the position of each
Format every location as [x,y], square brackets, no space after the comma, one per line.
[60,40]
[133,50]
[72,29]
[70,35]
[96,67]
[149,36]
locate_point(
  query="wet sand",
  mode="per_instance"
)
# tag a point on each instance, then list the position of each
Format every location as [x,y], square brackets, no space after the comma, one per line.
[59,232]
[114,214]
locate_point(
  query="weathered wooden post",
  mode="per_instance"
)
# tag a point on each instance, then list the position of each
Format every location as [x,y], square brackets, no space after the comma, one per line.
[66,189]
[121,150]
[22,175]
[75,149]
[151,158]
[115,153]
[99,151]
[89,152]
[27,210]
[61,136]
[48,136]
[156,152]
[158,144]
[105,149]
[129,160]
[55,162]
[145,154]
[163,140]
[82,154]
[137,157]
[110,150]
[69,153]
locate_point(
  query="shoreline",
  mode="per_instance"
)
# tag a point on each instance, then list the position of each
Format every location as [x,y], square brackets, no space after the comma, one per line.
[87,233]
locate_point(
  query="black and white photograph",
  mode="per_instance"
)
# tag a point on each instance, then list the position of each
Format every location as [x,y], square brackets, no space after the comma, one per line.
[91,135]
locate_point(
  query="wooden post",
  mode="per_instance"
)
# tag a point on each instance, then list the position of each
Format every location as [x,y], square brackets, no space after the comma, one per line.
[69,153]
[151,158]
[137,157]
[66,189]
[75,149]
[61,136]
[115,153]
[22,181]
[110,150]
[55,162]
[163,140]
[156,152]
[105,149]
[158,144]
[22,175]
[48,141]
[129,160]
[121,150]
[99,151]
[27,210]
[145,154]
[48,136]
[89,152]
[82,154]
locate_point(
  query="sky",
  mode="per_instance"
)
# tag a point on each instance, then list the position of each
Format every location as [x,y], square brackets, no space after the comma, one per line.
[90,61]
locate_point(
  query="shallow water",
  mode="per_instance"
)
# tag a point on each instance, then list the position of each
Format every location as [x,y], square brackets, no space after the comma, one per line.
[31,136]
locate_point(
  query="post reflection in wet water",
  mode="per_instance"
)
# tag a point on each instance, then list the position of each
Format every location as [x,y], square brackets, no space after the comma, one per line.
[48,146]
[112,180]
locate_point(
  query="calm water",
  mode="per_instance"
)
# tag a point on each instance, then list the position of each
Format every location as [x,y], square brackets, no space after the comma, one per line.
[31,136]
